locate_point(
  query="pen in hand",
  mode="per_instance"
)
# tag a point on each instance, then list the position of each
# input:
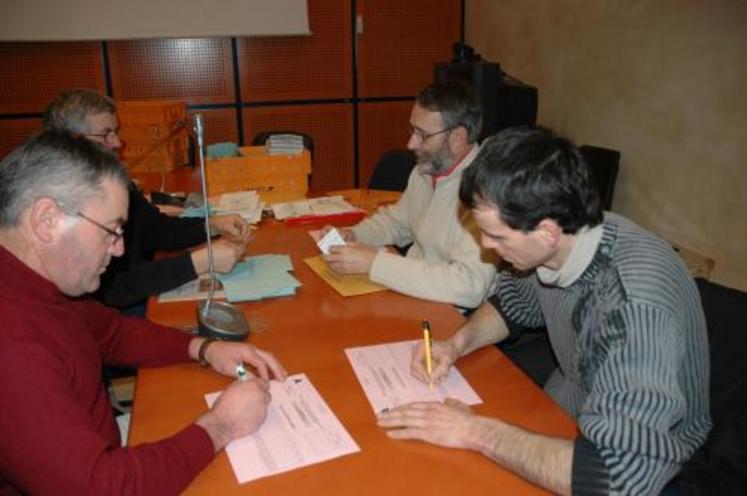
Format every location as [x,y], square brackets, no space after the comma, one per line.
[241,373]
[427,345]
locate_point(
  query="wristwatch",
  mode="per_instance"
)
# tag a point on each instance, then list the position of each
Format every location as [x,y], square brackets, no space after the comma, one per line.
[201,352]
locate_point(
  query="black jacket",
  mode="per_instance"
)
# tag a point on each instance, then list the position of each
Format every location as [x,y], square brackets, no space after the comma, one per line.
[133,277]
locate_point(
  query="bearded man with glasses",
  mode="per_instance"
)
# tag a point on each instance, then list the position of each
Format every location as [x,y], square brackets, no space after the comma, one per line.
[444,262]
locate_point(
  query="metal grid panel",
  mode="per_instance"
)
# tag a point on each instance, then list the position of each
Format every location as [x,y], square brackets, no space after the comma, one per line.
[301,67]
[197,71]
[401,41]
[14,132]
[32,74]
[330,126]
[220,125]
[382,126]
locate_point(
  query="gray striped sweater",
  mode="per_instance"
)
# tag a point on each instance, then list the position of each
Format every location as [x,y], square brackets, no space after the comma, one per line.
[630,339]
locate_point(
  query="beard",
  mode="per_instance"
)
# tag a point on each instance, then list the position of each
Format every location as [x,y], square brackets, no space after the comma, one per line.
[435,164]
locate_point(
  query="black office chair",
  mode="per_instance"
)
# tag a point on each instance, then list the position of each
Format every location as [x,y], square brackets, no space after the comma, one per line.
[720,465]
[261,138]
[392,170]
[604,164]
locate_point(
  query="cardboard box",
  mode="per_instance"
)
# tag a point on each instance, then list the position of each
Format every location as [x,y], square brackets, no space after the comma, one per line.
[255,170]
[154,135]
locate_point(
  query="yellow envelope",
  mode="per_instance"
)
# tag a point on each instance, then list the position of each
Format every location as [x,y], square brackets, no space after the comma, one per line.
[345,284]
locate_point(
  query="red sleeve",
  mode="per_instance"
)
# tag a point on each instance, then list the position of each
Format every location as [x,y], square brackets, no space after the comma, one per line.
[135,342]
[51,443]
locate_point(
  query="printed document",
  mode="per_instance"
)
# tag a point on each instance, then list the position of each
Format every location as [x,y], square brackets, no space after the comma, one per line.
[384,373]
[299,430]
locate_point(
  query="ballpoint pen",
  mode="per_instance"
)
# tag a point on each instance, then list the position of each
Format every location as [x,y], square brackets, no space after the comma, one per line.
[427,343]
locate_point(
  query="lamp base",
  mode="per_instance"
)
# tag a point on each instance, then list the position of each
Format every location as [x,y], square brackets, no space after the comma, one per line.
[223,321]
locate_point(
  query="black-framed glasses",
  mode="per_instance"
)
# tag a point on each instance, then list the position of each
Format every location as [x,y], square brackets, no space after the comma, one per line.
[423,136]
[115,234]
[105,135]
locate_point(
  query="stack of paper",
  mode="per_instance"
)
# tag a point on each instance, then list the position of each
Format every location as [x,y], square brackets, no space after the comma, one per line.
[284,144]
[196,289]
[260,277]
[315,208]
[243,203]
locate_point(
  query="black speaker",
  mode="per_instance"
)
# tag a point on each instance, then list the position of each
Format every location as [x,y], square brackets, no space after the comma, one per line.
[506,101]
[604,164]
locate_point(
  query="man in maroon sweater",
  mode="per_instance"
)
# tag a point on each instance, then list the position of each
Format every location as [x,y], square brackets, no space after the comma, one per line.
[63,206]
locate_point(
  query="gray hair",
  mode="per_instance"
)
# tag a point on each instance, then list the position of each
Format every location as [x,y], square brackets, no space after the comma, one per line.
[457,104]
[58,165]
[69,110]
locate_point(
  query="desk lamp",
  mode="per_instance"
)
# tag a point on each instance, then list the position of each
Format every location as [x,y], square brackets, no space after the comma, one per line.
[216,319]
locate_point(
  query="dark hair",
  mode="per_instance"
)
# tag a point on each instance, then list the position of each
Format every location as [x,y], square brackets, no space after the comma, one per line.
[531,174]
[69,110]
[56,165]
[457,104]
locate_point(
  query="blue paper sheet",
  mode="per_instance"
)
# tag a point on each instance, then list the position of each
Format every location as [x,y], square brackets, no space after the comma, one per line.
[260,277]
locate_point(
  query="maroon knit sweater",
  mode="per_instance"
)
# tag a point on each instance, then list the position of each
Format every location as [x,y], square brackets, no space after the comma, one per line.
[57,432]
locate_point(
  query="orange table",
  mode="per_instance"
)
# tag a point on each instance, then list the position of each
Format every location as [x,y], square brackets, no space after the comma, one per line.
[308,333]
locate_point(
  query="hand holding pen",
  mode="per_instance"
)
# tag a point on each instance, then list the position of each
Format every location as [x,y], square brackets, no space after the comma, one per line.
[442,355]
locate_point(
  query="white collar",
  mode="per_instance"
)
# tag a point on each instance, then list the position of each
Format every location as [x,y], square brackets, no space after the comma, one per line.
[585,247]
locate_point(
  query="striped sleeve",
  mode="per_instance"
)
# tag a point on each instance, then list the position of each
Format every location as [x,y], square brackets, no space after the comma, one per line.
[636,413]
[516,301]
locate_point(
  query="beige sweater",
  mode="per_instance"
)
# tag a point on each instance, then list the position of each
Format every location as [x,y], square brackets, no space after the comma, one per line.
[444,262]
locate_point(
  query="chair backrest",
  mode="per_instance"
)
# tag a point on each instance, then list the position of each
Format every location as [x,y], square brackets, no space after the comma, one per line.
[392,170]
[261,138]
[720,465]
[604,164]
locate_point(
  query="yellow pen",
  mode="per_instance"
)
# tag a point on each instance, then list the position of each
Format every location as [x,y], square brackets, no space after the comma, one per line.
[427,343]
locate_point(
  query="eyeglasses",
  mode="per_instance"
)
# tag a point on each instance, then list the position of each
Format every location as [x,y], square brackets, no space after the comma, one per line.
[423,136]
[115,234]
[106,135]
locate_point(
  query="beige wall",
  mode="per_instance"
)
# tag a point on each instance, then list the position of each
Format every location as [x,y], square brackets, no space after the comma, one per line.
[664,82]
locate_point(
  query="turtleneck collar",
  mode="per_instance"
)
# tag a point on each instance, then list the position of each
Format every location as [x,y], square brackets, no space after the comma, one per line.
[585,247]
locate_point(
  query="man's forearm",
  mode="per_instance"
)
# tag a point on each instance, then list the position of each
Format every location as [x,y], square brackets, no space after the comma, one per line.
[542,460]
[484,327]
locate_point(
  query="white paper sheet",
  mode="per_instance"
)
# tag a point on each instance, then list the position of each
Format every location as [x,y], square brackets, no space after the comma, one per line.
[332,238]
[196,289]
[326,205]
[384,373]
[299,430]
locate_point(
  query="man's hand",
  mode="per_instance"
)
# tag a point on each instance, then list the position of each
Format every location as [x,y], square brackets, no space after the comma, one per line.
[231,225]
[224,357]
[352,258]
[238,412]
[448,424]
[444,354]
[226,254]
[543,460]
[347,234]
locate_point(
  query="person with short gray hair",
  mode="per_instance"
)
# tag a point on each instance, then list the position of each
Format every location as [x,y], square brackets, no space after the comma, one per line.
[63,211]
[135,276]
[56,166]
[71,109]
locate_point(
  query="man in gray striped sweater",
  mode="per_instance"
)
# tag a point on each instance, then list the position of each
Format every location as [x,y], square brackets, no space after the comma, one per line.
[623,316]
